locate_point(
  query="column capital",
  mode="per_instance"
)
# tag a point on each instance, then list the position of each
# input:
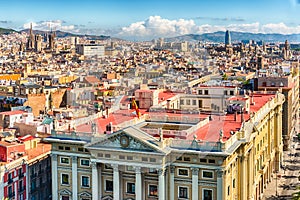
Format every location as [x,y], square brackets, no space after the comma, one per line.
[220,173]
[161,172]
[195,171]
[137,169]
[54,156]
[172,169]
[94,164]
[74,158]
[115,167]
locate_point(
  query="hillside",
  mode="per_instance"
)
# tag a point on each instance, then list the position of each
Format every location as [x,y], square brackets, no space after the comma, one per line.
[236,37]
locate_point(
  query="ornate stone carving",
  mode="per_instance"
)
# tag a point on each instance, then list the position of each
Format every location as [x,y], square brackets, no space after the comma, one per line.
[172,169]
[124,141]
[161,172]
[54,157]
[74,159]
[94,164]
[195,171]
[137,169]
[115,167]
[220,173]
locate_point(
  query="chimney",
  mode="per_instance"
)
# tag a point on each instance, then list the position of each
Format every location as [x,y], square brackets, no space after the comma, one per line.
[235,115]
[161,136]
[242,114]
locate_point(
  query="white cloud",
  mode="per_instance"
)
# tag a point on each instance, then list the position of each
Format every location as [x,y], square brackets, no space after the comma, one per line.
[156,26]
[52,24]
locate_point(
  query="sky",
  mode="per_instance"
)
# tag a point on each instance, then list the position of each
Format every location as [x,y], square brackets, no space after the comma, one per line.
[148,19]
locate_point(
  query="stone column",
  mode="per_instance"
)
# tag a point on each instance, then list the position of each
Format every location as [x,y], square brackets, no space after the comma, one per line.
[2,171]
[27,181]
[54,177]
[99,180]
[243,188]
[161,184]
[172,186]
[94,181]
[74,178]
[138,183]
[195,178]
[220,185]
[116,182]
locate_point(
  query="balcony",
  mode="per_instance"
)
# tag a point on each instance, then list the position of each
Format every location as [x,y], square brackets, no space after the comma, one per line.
[21,189]
[11,194]
[10,180]
[21,175]
[33,175]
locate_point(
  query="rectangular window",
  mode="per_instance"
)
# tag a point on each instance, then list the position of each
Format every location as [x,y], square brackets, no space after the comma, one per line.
[199,91]
[211,161]
[100,155]
[144,159]
[182,192]
[152,170]
[67,148]
[109,185]
[183,172]
[130,188]
[85,162]
[107,155]
[207,174]
[194,102]
[60,147]
[129,158]
[80,149]
[85,181]
[188,102]
[121,157]
[225,92]
[181,102]
[231,92]
[65,179]
[130,168]
[203,160]
[64,160]
[206,92]
[65,198]
[207,194]
[233,183]
[152,160]
[228,190]
[153,191]
[187,159]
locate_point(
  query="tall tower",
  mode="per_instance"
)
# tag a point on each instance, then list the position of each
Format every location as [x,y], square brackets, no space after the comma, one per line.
[30,41]
[38,43]
[51,40]
[227,38]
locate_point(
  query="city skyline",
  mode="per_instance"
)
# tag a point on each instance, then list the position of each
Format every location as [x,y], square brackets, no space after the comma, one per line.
[153,19]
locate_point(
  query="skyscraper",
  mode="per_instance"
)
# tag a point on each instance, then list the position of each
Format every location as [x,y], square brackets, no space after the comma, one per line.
[227,38]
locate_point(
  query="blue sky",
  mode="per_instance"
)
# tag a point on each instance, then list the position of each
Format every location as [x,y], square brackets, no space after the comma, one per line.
[153,18]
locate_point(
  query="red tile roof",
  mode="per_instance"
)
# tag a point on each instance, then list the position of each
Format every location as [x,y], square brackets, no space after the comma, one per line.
[14,112]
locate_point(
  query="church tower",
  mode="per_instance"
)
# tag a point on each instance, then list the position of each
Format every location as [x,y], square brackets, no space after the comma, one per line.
[30,41]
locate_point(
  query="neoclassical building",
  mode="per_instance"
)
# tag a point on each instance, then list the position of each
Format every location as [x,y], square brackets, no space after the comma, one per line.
[169,156]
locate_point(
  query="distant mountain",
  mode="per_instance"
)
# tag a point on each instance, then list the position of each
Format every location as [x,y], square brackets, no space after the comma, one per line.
[62,34]
[6,31]
[236,37]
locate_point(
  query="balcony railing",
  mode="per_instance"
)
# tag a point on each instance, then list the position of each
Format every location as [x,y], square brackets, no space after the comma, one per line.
[21,175]
[10,180]
[11,194]
[21,189]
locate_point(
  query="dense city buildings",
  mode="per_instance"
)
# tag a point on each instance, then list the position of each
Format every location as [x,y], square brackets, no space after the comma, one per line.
[100,119]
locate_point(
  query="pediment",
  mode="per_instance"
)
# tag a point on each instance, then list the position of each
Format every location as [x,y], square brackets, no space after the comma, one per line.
[129,139]
[85,194]
[65,192]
